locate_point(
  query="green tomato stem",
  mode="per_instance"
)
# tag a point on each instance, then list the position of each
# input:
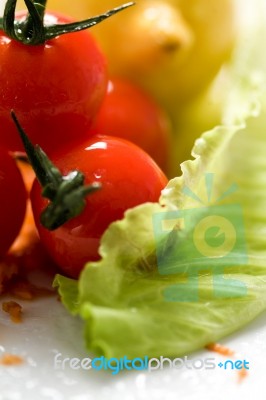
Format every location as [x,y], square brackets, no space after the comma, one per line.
[66,193]
[32,31]
[34,20]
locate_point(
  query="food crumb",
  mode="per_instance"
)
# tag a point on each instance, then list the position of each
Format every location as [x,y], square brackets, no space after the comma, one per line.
[11,359]
[13,309]
[220,349]
[242,374]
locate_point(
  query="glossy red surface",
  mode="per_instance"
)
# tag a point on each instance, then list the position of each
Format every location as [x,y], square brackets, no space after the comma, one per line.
[128,176]
[55,88]
[12,201]
[130,113]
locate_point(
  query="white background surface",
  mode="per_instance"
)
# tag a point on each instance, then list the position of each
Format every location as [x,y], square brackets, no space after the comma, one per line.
[48,329]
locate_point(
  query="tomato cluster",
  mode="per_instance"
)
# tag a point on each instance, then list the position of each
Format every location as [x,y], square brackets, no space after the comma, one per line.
[93,140]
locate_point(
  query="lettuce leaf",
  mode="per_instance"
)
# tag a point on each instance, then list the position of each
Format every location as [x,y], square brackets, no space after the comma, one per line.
[154,292]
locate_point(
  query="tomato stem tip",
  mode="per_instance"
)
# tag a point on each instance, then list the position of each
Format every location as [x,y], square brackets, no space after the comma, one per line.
[66,193]
[33,31]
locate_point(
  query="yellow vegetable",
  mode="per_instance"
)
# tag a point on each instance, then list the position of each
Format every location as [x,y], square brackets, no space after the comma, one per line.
[173,48]
[77,9]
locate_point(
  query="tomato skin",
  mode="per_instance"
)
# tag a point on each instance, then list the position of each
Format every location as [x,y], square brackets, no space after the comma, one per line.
[128,176]
[129,112]
[55,88]
[12,201]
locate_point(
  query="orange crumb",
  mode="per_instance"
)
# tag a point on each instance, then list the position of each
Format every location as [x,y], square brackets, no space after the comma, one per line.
[11,359]
[242,374]
[13,309]
[27,173]
[28,234]
[25,290]
[7,271]
[22,290]
[220,349]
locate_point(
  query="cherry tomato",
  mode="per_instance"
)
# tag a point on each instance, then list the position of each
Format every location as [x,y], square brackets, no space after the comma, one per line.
[12,201]
[128,177]
[130,113]
[56,88]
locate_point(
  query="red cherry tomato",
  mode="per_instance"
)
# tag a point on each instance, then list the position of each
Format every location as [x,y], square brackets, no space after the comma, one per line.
[130,113]
[56,88]
[12,201]
[128,176]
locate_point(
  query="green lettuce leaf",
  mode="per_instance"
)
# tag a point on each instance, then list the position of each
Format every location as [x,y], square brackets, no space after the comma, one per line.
[157,290]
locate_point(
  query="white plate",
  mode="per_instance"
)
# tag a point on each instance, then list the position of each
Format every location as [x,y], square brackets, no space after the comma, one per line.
[47,329]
